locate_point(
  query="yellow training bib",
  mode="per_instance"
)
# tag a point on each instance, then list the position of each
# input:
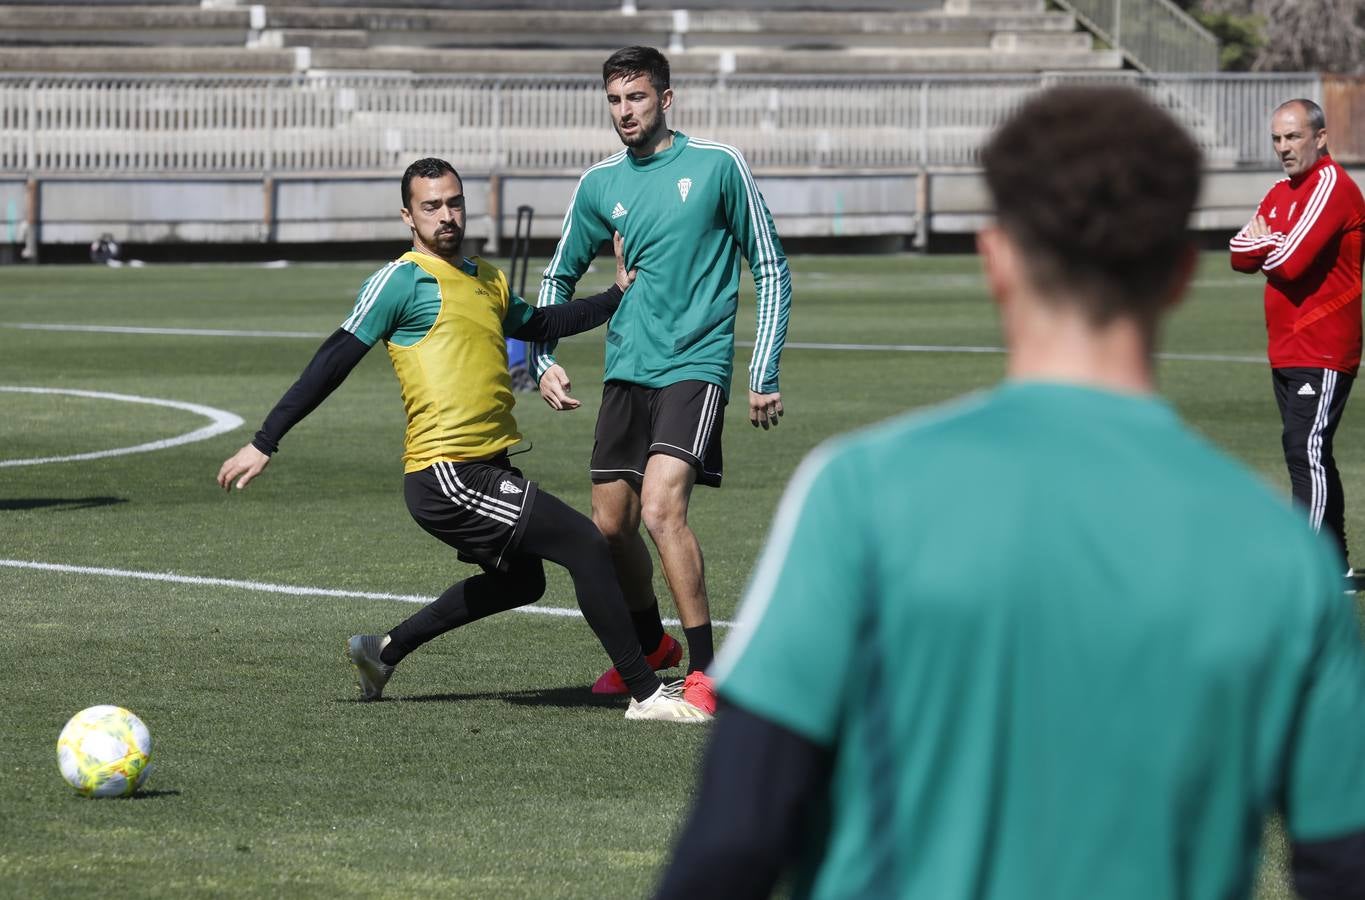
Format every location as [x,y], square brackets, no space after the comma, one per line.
[457,392]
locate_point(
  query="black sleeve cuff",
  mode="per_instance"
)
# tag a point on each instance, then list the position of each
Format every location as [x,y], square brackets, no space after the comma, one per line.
[758,785]
[263,443]
[1330,870]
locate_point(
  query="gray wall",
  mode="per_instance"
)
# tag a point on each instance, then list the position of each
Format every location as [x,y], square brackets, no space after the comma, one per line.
[326,209]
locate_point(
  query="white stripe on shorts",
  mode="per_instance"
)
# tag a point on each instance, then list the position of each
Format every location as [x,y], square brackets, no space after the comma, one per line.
[459,494]
[708,420]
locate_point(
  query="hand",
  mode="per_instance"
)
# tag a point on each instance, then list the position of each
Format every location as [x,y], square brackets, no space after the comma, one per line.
[765,409]
[243,466]
[554,387]
[1258,227]
[624,279]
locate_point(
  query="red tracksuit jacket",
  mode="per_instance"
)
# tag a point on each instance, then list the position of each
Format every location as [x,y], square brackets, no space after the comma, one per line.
[1312,263]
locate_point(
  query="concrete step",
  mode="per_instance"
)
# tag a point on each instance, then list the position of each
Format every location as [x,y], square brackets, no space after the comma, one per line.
[1026,41]
[740,60]
[475,20]
[675,30]
[197,60]
[592,5]
[841,6]
[926,61]
[737,61]
[46,3]
[871,23]
[313,37]
[963,7]
[739,22]
[123,26]
[14,17]
[343,28]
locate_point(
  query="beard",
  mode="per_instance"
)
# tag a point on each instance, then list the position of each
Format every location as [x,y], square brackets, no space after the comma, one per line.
[448,241]
[644,133]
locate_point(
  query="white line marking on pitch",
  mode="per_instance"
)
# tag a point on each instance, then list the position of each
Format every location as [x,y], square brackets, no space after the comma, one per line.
[943,348]
[220,421]
[789,345]
[135,329]
[268,588]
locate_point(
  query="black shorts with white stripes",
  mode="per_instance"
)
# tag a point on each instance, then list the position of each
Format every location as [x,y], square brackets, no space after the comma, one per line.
[682,420]
[479,508]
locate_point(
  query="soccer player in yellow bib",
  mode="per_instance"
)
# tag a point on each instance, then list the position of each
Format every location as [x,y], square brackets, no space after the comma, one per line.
[444,320]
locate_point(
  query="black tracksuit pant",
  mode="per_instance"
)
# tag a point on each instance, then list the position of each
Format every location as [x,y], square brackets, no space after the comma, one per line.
[1311,402]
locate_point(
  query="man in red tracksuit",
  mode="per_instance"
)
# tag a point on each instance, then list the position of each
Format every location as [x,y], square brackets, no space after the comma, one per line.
[1306,239]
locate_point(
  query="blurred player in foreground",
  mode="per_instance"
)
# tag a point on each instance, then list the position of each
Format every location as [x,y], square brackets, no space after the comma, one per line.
[444,319]
[1048,642]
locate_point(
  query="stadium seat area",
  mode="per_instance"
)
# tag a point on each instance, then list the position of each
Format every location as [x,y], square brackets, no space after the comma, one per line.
[761,37]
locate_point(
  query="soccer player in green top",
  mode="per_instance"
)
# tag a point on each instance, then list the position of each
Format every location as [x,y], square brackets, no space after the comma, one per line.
[1046,641]
[444,319]
[687,209]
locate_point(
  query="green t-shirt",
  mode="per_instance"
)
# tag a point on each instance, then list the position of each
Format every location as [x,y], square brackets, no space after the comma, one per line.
[1062,648]
[400,301]
[685,214]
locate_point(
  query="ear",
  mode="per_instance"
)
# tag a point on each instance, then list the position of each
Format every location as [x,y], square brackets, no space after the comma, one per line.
[666,100]
[1320,139]
[999,262]
[407,218]
[1180,279]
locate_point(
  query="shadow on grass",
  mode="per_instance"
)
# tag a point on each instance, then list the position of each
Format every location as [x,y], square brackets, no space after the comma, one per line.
[154,795]
[140,795]
[575,697]
[60,503]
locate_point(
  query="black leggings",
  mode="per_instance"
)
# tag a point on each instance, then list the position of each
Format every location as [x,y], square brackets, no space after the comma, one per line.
[559,533]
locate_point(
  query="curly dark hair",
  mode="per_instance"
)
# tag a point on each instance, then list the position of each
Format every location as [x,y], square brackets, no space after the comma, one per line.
[1096,184]
[431,167]
[632,62]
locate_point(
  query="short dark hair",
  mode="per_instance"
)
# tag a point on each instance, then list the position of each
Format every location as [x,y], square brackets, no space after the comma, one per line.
[431,167]
[632,62]
[1096,184]
[1317,119]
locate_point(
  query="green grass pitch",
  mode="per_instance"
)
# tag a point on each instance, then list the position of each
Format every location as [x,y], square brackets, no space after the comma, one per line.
[491,772]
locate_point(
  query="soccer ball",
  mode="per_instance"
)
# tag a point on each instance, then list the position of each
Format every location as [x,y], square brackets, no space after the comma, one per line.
[104,751]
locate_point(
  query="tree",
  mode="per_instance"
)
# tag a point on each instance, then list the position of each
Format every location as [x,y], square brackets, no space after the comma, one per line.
[1287,35]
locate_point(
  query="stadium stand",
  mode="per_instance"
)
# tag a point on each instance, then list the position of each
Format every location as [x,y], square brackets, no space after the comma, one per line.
[957,36]
[861,118]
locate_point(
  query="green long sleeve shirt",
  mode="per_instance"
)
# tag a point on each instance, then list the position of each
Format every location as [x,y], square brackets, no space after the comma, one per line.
[686,215]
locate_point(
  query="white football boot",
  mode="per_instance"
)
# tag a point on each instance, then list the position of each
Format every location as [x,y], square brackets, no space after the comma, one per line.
[666,705]
[363,652]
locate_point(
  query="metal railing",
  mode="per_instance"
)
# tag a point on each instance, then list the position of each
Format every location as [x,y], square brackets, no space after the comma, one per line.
[1153,35]
[367,123]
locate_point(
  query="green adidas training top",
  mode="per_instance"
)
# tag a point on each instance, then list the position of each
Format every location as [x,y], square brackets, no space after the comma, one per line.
[686,214]
[1061,647]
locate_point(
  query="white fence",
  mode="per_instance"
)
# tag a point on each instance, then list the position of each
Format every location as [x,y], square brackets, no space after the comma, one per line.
[132,125]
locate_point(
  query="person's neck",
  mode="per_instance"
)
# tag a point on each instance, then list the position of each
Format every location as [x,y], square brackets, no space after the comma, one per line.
[1049,343]
[1316,164]
[660,141]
